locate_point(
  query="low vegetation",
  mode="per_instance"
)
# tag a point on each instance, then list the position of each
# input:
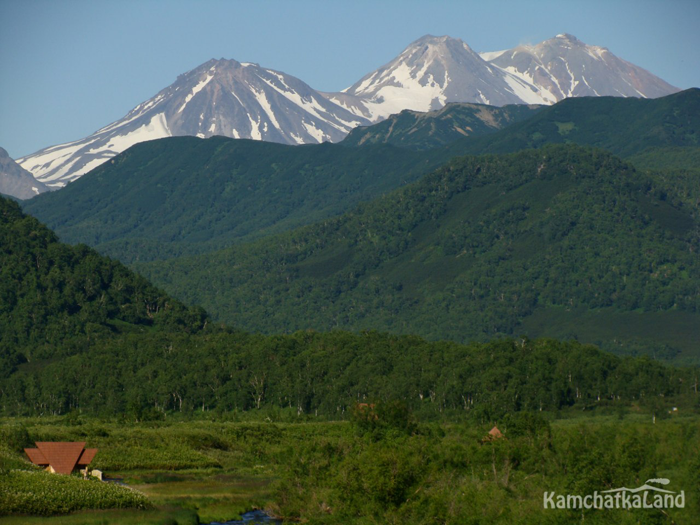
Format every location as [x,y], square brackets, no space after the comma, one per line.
[392,468]
[41,493]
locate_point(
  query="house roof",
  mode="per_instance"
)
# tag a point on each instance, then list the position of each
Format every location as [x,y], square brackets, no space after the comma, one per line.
[35,456]
[87,456]
[494,432]
[62,456]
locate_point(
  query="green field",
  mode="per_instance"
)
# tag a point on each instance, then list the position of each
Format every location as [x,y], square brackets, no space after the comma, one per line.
[388,469]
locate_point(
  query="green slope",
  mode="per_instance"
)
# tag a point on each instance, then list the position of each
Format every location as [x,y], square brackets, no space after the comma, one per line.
[52,295]
[80,333]
[185,195]
[471,251]
[677,169]
[624,126]
[416,130]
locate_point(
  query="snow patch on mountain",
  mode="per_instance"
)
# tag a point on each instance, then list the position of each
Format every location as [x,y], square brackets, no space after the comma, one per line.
[195,90]
[156,128]
[239,100]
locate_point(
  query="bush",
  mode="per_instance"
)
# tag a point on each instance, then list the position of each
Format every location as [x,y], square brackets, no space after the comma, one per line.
[15,437]
[41,493]
[379,418]
[528,424]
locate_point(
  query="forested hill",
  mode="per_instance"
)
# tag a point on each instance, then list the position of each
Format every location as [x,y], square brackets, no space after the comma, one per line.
[185,195]
[624,126]
[416,130]
[563,241]
[79,332]
[52,294]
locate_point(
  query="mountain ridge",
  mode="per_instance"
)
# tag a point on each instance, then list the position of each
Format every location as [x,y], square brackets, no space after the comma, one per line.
[245,100]
[440,127]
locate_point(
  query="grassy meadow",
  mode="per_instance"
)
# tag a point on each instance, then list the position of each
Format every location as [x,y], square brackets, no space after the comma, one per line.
[386,469]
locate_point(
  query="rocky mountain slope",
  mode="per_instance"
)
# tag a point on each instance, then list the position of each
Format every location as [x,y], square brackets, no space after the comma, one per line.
[425,130]
[564,67]
[16,181]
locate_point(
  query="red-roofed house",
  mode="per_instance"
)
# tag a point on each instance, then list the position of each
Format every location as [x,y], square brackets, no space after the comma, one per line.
[61,457]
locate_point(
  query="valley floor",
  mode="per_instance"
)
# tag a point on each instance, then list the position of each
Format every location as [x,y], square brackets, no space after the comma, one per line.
[365,471]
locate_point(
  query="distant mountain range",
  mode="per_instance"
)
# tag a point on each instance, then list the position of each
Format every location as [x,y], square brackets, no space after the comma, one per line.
[244,100]
[17,182]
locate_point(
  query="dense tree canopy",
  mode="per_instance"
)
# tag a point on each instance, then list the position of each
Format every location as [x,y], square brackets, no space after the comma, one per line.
[52,293]
[471,251]
[327,374]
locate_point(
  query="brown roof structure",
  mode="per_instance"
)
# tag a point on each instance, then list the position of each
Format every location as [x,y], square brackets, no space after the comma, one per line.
[87,456]
[62,457]
[35,456]
[493,435]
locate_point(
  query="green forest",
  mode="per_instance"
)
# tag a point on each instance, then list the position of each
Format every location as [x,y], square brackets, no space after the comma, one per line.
[185,195]
[54,296]
[424,131]
[477,249]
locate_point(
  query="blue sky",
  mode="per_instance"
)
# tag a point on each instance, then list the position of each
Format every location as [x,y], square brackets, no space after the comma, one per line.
[70,67]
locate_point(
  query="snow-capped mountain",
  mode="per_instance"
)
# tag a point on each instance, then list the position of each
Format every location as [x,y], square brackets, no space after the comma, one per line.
[244,100]
[16,181]
[433,71]
[429,73]
[563,67]
[220,97]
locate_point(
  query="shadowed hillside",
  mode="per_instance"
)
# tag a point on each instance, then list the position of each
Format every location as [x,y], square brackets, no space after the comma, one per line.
[474,250]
